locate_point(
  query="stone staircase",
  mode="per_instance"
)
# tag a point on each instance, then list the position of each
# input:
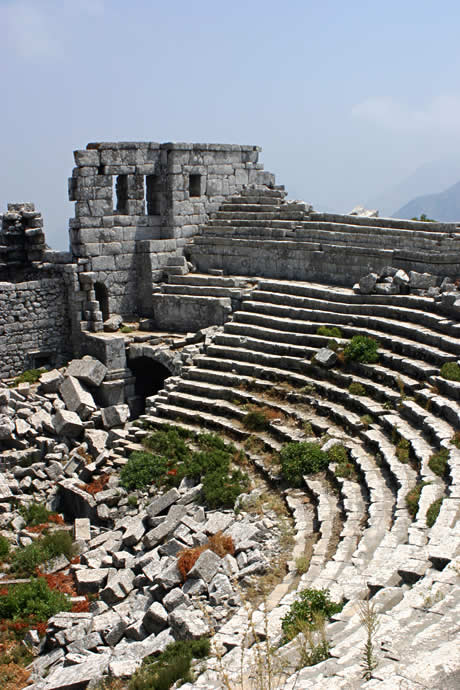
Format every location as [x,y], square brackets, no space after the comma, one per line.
[259,233]
[367,543]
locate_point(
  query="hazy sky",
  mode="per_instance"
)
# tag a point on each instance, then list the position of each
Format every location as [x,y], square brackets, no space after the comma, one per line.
[345,97]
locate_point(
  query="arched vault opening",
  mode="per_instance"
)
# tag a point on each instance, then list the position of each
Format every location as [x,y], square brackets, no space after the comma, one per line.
[102,296]
[149,376]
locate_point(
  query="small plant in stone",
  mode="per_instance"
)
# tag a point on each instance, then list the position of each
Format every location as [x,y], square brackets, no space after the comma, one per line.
[433,512]
[455,440]
[329,331]
[311,606]
[413,498]
[438,462]
[356,388]
[403,450]
[299,458]
[369,620]
[450,371]
[362,348]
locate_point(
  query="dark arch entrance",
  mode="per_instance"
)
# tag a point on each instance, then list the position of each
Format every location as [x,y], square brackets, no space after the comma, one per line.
[102,296]
[150,377]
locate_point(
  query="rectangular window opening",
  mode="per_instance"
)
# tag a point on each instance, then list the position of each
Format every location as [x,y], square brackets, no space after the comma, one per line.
[121,189]
[153,195]
[194,185]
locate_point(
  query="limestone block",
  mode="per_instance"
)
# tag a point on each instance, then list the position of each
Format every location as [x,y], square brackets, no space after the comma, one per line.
[90,580]
[88,370]
[67,423]
[325,357]
[401,277]
[155,619]
[367,283]
[78,675]
[421,281]
[76,398]
[116,415]
[50,381]
[91,157]
[82,529]
[113,323]
[188,624]
[206,566]
[161,503]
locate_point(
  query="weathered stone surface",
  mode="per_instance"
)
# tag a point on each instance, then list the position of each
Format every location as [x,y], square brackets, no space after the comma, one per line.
[325,357]
[76,398]
[367,283]
[50,381]
[113,323]
[206,566]
[155,619]
[88,370]
[115,415]
[421,281]
[67,423]
[161,503]
[188,624]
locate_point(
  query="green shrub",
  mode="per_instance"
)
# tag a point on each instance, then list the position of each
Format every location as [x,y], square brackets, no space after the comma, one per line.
[362,349]
[25,560]
[57,543]
[433,512]
[214,442]
[455,440]
[333,345]
[4,547]
[34,514]
[403,450]
[413,498]
[366,419]
[132,500]
[311,606]
[256,420]
[338,453]
[32,598]
[424,218]
[203,462]
[345,470]
[161,672]
[356,388]
[450,371]
[221,490]
[438,462]
[329,331]
[143,469]
[299,458]
[127,329]
[29,376]
[168,444]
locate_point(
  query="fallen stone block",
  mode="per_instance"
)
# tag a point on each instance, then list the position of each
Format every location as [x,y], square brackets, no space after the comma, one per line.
[50,381]
[161,503]
[91,580]
[115,415]
[67,423]
[88,370]
[155,619]
[206,566]
[82,529]
[79,675]
[188,624]
[76,398]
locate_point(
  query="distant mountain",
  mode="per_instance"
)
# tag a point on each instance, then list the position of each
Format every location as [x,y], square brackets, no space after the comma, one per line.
[430,178]
[444,206]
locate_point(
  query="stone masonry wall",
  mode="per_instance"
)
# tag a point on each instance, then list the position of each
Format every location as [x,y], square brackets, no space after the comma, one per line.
[134,199]
[34,325]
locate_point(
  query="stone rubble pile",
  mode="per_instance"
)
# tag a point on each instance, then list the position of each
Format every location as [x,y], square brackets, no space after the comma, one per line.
[395,281]
[55,441]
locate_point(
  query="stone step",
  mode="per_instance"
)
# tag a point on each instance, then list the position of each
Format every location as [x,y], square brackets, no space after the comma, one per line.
[207,280]
[201,419]
[247,207]
[397,223]
[202,290]
[371,315]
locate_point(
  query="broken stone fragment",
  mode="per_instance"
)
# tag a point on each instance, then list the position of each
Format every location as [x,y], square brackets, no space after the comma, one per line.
[88,370]
[156,618]
[188,624]
[206,566]
[67,423]
[367,283]
[325,357]
[115,415]
[50,381]
[76,398]
[91,580]
[113,323]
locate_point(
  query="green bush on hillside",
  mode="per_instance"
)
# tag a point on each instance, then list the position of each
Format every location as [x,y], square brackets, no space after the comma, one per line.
[450,371]
[173,665]
[32,598]
[362,348]
[311,606]
[329,331]
[299,458]
[438,462]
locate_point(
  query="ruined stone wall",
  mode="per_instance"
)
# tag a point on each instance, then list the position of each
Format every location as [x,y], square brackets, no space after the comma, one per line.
[137,203]
[34,325]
